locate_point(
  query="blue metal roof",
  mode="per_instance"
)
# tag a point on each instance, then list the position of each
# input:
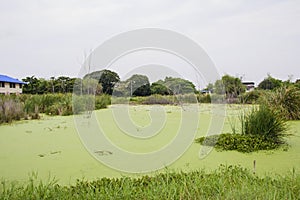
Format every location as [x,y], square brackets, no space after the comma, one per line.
[4,78]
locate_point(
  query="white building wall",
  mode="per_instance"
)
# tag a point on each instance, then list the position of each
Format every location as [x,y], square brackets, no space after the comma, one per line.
[8,90]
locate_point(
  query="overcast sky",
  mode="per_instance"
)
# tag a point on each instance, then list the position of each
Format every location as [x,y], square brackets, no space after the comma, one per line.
[243,38]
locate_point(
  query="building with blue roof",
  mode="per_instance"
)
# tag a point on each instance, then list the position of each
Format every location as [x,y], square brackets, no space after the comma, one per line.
[9,85]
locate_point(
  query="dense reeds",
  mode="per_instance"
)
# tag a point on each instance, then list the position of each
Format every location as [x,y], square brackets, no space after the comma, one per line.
[27,106]
[260,129]
[10,109]
[264,127]
[263,122]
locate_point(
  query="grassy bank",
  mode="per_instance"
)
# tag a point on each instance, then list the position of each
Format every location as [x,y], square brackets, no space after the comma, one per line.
[227,182]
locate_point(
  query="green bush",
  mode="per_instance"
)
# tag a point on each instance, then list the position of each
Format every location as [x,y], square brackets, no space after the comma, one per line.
[29,106]
[240,143]
[78,104]
[102,101]
[159,99]
[120,100]
[284,101]
[264,122]
[136,100]
[204,98]
[261,129]
[251,97]
[218,98]
[187,98]
[32,103]
[10,109]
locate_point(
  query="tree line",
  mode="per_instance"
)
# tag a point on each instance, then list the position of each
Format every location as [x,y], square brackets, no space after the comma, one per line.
[108,82]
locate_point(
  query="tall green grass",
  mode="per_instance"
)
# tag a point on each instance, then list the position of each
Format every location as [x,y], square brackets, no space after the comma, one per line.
[251,97]
[264,122]
[27,106]
[261,129]
[227,182]
[10,109]
[285,101]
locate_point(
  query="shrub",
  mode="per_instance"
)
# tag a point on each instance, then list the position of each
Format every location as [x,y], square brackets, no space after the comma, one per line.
[79,104]
[35,114]
[284,101]
[186,98]
[159,99]
[10,109]
[251,97]
[31,102]
[204,98]
[264,122]
[90,102]
[120,100]
[261,129]
[27,106]
[136,100]
[218,98]
[102,101]
[238,142]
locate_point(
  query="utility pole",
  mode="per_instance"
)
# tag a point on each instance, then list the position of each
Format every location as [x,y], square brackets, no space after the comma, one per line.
[131,87]
[63,85]
[52,80]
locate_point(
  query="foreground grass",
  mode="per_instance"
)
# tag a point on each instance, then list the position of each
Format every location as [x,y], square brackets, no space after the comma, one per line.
[227,182]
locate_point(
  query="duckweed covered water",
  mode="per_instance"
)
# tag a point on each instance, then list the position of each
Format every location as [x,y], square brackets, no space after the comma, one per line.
[51,147]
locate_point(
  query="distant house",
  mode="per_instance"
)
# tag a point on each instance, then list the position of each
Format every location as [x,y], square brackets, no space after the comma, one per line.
[249,86]
[205,91]
[9,85]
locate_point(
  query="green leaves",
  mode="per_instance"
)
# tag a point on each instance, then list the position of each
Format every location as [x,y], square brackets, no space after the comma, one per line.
[106,78]
[229,85]
[240,143]
[264,122]
[270,83]
[285,101]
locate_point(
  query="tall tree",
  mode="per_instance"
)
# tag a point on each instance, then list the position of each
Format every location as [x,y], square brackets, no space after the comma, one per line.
[158,87]
[179,85]
[136,85]
[139,85]
[32,85]
[229,85]
[270,83]
[106,78]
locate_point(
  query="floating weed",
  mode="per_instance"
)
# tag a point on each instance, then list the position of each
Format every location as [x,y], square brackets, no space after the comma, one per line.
[103,152]
[50,153]
[55,152]
[48,128]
